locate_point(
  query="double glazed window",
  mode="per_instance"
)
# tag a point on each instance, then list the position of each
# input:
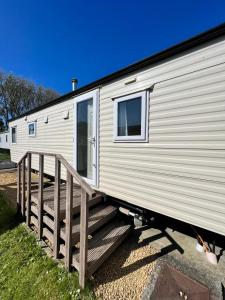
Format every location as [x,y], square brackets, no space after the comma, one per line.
[32,129]
[130,118]
[13,134]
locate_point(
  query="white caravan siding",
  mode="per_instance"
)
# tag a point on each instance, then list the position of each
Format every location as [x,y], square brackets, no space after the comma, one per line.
[4,140]
[180,171]
[54,137]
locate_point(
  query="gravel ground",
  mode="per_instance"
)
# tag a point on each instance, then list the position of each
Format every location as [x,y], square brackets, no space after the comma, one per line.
[125,274]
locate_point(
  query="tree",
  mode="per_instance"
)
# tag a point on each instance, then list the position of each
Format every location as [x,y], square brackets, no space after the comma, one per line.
[18,95]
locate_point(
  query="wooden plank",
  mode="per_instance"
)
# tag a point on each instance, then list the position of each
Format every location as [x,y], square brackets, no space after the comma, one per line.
[23,187]
[40,196]
[97,217]
[34,221]
[19,188]
[48,200]
[68,244]
[84,211]
[28,188]
[47,233]
[56,208]
[103,244]
[47,221]
[34,210]
[42,153]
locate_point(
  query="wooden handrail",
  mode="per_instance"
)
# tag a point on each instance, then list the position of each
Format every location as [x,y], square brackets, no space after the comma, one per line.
[86,193]
[22,158]
[72,171]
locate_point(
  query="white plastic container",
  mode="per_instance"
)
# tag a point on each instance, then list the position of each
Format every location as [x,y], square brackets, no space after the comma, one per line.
[211,257]
[199,247]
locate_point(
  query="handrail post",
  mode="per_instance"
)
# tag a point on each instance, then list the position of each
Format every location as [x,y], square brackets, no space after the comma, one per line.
[23,187]
[28,187]
[18,188]
[84,211]
[69,204]
[57,208]
[40,196]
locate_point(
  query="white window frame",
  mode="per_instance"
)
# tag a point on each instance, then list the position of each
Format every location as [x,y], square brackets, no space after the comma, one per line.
[144,118]
[35,129]
[12,135]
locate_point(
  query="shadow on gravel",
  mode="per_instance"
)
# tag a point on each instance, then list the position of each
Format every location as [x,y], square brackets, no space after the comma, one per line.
[114,268]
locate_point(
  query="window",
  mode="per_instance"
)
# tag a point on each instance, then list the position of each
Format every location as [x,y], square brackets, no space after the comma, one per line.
[32,129]
[13,134]
[130,118]
[6,138]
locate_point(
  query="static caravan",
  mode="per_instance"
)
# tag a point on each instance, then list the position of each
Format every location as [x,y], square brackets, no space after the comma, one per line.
[4,140]
[151,134]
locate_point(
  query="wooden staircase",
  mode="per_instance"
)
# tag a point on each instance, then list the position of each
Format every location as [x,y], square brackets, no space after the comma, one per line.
[72,217]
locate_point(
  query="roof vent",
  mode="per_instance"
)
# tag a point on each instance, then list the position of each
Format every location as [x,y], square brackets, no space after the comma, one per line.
[74,84]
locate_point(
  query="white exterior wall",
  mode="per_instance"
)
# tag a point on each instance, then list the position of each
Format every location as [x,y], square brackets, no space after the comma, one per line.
[180,171]
[3,143]
[54,137]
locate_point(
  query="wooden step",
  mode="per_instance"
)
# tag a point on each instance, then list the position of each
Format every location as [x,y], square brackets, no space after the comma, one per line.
[104,242]
[48,200]
[98,216]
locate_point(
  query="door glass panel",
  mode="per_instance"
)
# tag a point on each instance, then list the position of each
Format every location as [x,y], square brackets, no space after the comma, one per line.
[85,138]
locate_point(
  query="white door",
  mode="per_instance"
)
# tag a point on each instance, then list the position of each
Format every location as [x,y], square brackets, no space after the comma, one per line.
[86,136]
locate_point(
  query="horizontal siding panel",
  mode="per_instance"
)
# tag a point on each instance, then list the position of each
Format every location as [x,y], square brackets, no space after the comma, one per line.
[186,128]
[183,160]
[203,186]
[197,109]
[166,202]
[206,90]
[146,150]
[217,174]
[182,196]
[154,204]
[188,101]
[198,82]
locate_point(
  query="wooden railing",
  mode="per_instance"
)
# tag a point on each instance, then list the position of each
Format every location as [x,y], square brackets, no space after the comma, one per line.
[24,205]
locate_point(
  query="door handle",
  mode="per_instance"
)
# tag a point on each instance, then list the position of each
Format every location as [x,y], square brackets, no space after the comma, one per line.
[92,140]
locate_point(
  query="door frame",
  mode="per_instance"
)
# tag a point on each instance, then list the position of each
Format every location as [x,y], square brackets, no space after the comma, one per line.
[95,96]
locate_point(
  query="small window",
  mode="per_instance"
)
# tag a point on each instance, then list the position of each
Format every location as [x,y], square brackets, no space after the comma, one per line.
[130,118]
[13,134]
[32,129]
[6,138]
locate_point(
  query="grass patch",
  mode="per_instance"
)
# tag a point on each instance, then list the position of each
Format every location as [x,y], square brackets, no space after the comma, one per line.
[26,272]
[4,154]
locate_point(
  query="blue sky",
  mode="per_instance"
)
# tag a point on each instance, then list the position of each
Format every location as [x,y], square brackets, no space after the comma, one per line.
[50,42]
